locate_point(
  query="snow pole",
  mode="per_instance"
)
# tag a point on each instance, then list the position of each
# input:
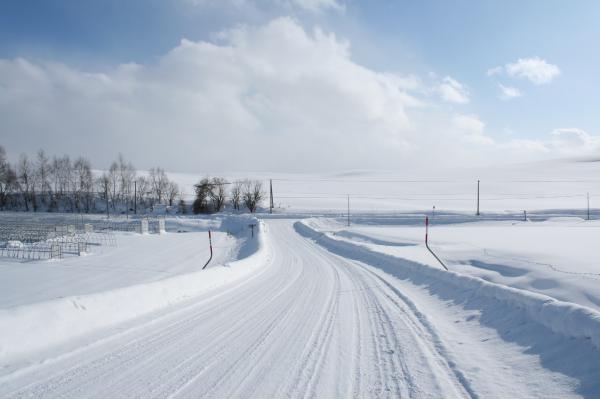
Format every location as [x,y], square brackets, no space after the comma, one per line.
[477,198]
[211,250]
[427,243]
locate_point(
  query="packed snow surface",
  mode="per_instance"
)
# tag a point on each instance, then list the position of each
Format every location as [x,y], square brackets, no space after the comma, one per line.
[312,307]
[136,259]
[324,316]
[63,300]
[556,257]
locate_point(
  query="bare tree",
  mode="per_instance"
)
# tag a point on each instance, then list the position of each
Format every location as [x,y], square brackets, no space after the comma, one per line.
[5,174]
[12,185]
[126,173]
[61,172]
[252,194]
[236,194]
[26,180]
[83,183]
[113,177]
[217,193]
[54,173]
[182,205]
[172,192]
[143,189]
[159,182]
[43,168]
[203,194]
[104,187]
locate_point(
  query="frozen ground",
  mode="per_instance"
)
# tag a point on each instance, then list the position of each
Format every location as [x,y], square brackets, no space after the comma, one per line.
[560,185]
[557,257]
[313,308]
[49,303]
[317,321]
[136,259]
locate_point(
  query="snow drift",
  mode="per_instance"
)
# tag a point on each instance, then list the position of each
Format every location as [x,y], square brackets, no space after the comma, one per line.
[29,328]
[567,319]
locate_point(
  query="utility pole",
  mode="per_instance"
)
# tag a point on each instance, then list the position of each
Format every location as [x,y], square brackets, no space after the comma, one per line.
[135,197]
[106,194]
[477,198]
[588,206]
[271,196]
[348,210]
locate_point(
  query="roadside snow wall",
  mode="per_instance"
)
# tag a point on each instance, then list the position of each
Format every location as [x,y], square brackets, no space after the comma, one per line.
[567,319]
[29,328]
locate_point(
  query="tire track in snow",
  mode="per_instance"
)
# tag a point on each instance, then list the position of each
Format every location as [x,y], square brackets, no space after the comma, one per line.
[311,325]
[384,338]
[317,341]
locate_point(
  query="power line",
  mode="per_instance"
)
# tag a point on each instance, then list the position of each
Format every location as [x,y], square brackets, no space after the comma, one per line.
[436,180]
[343,196]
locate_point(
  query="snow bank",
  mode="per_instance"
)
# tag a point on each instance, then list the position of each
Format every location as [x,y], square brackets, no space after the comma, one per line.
[567,319]
[28,328]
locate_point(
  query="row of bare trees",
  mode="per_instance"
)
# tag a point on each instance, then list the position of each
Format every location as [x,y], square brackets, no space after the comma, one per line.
[212,195]
[62,184]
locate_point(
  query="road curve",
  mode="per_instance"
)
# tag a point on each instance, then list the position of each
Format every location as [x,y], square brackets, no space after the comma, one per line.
[310,324]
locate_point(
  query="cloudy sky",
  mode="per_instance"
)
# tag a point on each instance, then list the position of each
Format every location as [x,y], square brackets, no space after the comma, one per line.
[300,85]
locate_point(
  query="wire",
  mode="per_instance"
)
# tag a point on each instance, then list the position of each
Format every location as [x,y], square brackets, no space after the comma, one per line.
[437,180]
[404,198]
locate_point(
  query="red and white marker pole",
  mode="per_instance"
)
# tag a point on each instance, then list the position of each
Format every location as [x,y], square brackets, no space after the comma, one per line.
[211,250]
[427,243]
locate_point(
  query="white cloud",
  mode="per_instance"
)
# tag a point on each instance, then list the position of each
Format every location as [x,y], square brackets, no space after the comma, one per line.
[573,140]
[472,129]
[508,92]
[314,6]
[450,90]
[318,6]
[563,142]
[535,69]
[213,3]
[469,123]
[495,71]
[270,97]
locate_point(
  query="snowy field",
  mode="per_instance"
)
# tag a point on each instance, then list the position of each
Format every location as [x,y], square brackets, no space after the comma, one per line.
[312,307]
[48,302]
[556,257]
[562,186]
[136,259]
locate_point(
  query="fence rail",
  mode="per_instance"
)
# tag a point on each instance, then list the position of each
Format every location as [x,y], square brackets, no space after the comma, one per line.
[44,236]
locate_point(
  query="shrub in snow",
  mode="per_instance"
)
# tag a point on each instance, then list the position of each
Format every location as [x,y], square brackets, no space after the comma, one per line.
[252,194]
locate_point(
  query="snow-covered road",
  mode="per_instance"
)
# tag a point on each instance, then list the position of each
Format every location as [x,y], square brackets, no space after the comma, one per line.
[310,324]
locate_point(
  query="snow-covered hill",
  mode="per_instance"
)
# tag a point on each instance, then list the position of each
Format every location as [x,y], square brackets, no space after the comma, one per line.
[559,185]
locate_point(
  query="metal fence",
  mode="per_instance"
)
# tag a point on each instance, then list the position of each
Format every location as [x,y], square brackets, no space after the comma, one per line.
[49,236]
[33,251]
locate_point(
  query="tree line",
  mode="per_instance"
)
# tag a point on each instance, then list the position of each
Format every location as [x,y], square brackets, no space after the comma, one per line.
[52,184]
[212,195]
[62,184]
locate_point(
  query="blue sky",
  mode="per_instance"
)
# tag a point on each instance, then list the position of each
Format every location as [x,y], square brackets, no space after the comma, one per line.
[466,38]
[430,40]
